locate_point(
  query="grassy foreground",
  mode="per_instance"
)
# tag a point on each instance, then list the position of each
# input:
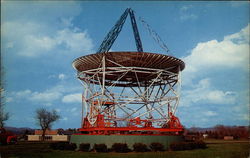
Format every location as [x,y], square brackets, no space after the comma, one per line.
[216,149]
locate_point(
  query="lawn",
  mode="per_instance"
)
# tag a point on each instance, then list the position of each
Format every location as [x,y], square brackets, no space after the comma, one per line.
[216,149]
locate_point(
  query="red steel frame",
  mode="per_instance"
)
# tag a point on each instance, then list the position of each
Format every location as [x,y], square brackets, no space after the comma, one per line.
[174,127]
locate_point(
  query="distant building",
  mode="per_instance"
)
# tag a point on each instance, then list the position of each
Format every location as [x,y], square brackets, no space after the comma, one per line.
[50,135]
[47,132]
[228,137]
[205,136]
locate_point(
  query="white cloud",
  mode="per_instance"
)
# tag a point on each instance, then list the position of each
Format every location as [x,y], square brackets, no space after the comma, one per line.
[33,39]
[73,109]
[185,7]
[52,94]
[72,98]
[214,53]
[64,119]
[204,93]
[9,45]
[67,22]
[36,46]
[210,113]
[9,99]
[22,94]
[61,76]
[238,3]
[47,11]
[244,117]
[243,105]
[44,96]
[48,104]
[74,40]
[188,17]
[241,37]
[52,76]
[58,110]
[241,112]
[232,52]
[69,88]
[47,96]
[185,13]
[220,97]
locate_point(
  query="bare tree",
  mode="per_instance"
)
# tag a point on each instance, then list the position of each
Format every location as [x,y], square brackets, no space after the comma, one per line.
[4,116]
[45,119]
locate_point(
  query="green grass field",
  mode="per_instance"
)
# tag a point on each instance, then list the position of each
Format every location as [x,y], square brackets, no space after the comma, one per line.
[216,149]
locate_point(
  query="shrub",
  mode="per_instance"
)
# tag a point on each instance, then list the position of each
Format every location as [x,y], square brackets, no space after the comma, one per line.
[61,145]
[53,146]
[189,145]
[176,146]
[156,147]
[84,147]
[120,147]
[140,147]
[201,144]
[100,147]
[71,146]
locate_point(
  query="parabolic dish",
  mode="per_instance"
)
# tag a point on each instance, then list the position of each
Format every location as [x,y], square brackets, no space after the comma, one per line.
[143,60]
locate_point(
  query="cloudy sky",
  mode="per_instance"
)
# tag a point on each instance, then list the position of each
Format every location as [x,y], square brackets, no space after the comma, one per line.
[39,41]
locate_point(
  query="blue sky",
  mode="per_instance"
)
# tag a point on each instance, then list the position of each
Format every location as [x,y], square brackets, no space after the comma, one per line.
[39,41]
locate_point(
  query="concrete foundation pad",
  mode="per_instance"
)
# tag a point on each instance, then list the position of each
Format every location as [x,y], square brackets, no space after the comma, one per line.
[109,140]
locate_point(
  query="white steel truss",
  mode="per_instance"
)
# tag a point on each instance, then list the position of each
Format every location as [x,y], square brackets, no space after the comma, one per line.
[122,98]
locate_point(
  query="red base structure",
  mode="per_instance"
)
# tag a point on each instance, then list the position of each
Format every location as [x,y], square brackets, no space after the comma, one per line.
[172,127]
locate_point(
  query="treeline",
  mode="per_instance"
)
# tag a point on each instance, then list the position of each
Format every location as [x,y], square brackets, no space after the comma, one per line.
[220,131]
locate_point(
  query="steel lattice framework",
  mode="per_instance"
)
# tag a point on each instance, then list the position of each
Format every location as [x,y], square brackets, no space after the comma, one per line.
[130,91]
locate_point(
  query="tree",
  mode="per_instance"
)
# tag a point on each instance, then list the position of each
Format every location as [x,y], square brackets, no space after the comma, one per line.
[4,116]
[45,119]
